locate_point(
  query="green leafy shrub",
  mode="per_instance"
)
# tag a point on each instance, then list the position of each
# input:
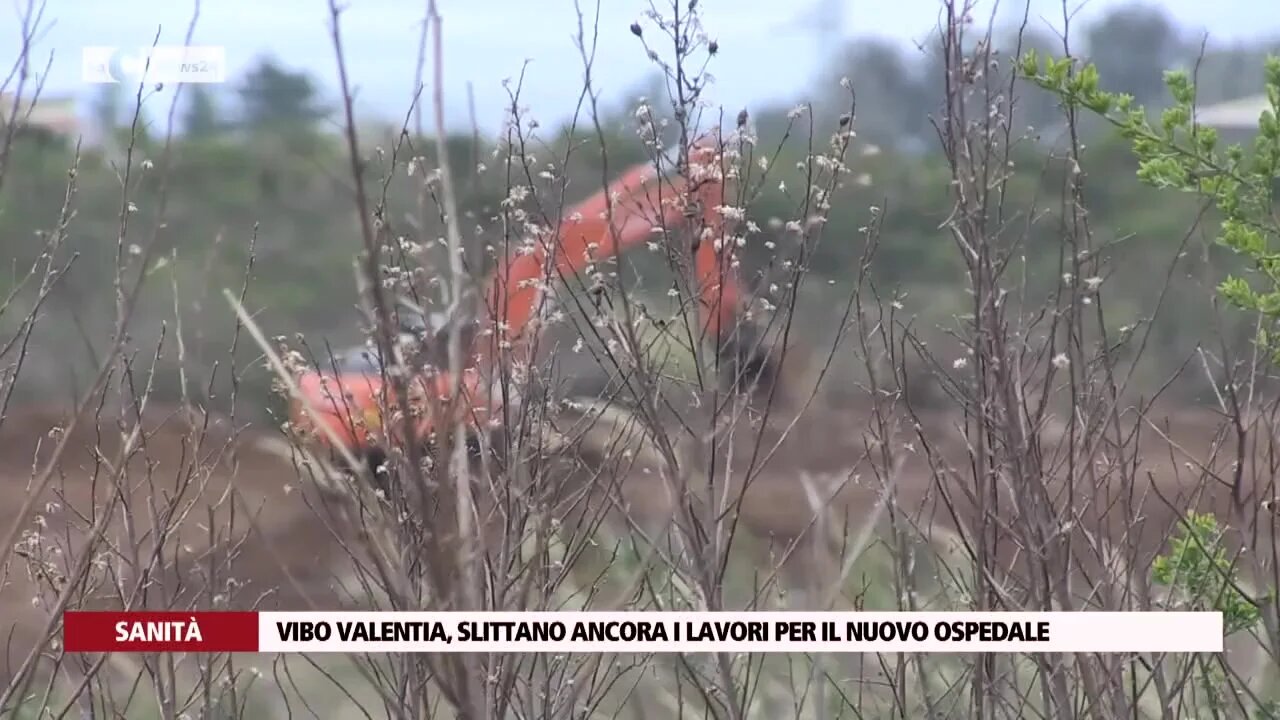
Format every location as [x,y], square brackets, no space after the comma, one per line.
[1177,154]
[1196,568]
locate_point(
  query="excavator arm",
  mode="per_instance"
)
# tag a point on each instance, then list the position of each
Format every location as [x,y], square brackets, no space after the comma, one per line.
[636,208]
[689,205]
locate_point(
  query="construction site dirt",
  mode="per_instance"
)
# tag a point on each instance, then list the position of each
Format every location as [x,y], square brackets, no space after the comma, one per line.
[244,496]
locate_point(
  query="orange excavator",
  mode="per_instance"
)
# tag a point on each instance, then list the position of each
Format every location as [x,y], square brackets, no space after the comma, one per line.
[349,396]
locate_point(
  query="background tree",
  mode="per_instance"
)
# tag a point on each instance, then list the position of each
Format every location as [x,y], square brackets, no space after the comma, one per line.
[1132,46]
[275,99]
[202,117]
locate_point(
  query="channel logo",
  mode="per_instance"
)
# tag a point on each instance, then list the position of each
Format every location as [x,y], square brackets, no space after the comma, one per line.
[161,64]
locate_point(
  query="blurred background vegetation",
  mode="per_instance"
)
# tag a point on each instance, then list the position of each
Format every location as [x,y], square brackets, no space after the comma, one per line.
[261,162]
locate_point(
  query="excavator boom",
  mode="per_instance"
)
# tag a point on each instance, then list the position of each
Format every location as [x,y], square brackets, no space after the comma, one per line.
[638,207]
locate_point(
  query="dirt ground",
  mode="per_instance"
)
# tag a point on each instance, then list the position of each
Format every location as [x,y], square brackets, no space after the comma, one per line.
[233,499]
[289,558]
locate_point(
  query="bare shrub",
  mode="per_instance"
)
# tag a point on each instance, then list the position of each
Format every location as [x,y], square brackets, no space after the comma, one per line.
[821,450]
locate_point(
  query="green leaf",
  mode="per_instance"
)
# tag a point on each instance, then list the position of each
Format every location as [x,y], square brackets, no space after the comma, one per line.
[1242,238]
[1237,292]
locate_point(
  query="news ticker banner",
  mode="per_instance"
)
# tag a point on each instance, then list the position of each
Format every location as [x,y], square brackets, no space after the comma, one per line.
[643,632]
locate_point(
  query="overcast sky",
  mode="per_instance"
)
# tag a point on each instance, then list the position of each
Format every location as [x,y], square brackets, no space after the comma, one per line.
[769,48]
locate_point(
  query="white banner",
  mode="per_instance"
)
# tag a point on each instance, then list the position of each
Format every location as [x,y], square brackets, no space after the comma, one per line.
[740,632]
